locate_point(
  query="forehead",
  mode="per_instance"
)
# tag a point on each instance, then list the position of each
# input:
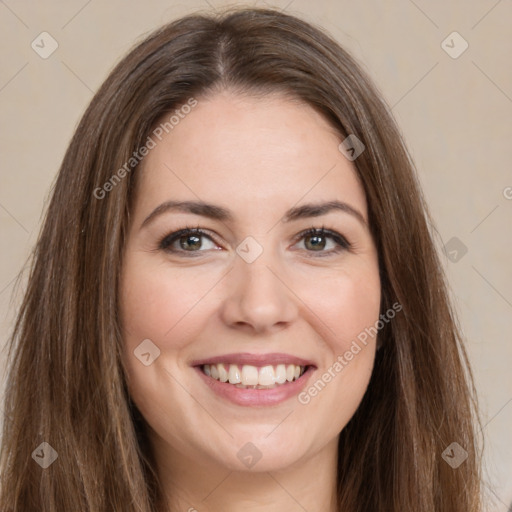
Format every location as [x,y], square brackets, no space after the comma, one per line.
[250,154]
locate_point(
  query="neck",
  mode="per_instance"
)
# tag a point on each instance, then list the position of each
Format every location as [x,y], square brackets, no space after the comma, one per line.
[204,486]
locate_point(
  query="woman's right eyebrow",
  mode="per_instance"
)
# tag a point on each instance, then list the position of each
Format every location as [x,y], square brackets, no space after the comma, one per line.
[220,213]
[195,207]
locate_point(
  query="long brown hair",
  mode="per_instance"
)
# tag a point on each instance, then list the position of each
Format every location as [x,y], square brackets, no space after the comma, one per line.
[66,384]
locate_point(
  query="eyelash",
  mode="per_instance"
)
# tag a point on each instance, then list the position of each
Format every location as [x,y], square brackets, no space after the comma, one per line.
[342,243]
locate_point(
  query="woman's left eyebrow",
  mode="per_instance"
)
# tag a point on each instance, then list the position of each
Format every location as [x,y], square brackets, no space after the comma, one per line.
[318,209]
[217,212]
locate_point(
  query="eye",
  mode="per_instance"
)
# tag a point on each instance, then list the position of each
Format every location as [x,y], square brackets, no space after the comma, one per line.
[190,240]
[318,239]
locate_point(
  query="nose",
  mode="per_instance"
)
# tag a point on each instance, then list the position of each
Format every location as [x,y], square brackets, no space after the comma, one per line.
[258,298]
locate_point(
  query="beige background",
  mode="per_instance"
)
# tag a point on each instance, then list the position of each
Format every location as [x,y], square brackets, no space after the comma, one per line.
[455,114]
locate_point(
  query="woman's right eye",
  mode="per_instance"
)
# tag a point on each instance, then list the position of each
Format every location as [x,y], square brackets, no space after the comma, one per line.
[189,240]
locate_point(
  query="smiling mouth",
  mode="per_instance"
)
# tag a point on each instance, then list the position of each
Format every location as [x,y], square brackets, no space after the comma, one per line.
[254,377]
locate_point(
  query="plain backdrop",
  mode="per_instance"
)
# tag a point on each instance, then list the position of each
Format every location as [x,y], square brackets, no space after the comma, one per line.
[451,94]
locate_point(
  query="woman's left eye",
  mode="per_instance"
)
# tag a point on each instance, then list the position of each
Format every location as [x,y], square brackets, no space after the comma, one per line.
[316,240]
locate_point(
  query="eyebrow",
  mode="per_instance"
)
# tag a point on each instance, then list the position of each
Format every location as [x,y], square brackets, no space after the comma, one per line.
[220,213]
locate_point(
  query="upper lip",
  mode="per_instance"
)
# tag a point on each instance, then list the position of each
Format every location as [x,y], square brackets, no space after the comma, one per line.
[271,359]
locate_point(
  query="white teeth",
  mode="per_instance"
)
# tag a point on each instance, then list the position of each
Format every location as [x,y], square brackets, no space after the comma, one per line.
[253,376]
[249,375]
[234,374]
[280,374]
[266,376]
[223,373]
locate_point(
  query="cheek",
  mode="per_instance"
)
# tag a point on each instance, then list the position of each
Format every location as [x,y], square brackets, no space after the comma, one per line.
[346,302]
[154,306]
[155,300]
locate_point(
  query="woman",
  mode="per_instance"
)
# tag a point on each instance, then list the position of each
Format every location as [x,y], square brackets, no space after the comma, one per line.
[235,300]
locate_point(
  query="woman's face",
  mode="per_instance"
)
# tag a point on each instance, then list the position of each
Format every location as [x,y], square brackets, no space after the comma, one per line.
[251,297]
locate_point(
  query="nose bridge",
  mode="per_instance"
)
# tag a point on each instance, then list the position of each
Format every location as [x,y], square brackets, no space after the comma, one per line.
[255,294]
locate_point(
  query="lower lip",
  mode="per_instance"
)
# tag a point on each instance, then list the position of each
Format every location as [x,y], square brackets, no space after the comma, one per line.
[254,397]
